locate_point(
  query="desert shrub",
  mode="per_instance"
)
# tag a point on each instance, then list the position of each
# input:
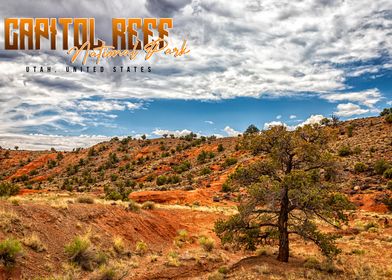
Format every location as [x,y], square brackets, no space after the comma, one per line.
[182,167]
[10,249]
[173,259]
[207,243]
[226,187]
[148,205]
[381,166]
[34,242]
[205,171]
[8,189]
[386,111]
[388,118]
[79,252]
[229,162]
[181,238]
[141,248]
[133,206]
[388,173]
[112,271]
[8,220]
[161,180]
[85,200]
[344,151]
[117,193]
[220,148]
[389,185]
[350,130]
[204,156]
[360,167]
[118,245]
[216,276]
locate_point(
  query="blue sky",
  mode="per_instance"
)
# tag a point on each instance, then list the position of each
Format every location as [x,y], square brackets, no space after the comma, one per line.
[251,62]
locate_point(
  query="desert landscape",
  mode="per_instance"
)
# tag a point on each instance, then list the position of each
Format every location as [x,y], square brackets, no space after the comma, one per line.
[148,209]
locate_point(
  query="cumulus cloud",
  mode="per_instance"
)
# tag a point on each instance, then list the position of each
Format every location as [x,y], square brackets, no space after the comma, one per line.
[313,119]
[278,117]
[349,109]
[45,142]
[293,117]
[231,131]
[274,123]
[283,48]
[177,133]
[209,122]
[367,97]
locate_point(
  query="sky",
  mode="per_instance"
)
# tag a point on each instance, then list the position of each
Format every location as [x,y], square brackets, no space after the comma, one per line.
[256,62]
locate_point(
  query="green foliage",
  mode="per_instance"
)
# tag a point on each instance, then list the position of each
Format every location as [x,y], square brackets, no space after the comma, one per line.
[80,252]
[141,248]
[388,173]
[350,130]
[381,166]
[182,167]
[207,243]
[286,191]
[220,148]
[344,151]
[252,129]
[388,118]
[360,167]
[389,185]
[10,249]
[163,180]
[205,171]
[119,192]
[8,189]
[204,156]
[230,161]
[386,112]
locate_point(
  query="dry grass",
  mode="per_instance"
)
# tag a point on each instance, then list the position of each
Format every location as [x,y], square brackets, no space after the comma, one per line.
[34,242]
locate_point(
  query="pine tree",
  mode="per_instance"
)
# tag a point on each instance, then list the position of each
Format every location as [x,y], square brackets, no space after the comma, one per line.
[287,191]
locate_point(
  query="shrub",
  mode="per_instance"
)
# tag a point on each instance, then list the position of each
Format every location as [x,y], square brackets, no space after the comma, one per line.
[8,189]
[141,248]
[389,185]
[386,112]
[226,187]
[133,206]
[148,205]
[10,249]
[350,129]
[388,173]
[381,166]
[118,245]
[117,193]
[34,242]
[360,167]
[205,171]
[207,243]
[85,199]
[344,151]
[220,148]
[181,238]
[230,161]
[184,166]
[388,118]
[79,252]
[161,180]
[172,259]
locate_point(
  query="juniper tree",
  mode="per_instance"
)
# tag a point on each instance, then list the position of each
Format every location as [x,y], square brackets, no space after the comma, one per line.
[288,190]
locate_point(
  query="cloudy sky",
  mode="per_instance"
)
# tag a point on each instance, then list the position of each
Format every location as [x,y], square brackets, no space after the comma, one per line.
[251,61]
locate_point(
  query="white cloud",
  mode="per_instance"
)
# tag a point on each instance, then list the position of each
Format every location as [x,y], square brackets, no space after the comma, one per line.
[45,142]
[177,133]
[278,117]
[230,131]
[313,119]
[367,97]
[349,109]
[273,123]
[209,122]
[293,117]
[389,102]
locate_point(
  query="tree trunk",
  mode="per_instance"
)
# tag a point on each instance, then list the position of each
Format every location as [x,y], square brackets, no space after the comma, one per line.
[283,255]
